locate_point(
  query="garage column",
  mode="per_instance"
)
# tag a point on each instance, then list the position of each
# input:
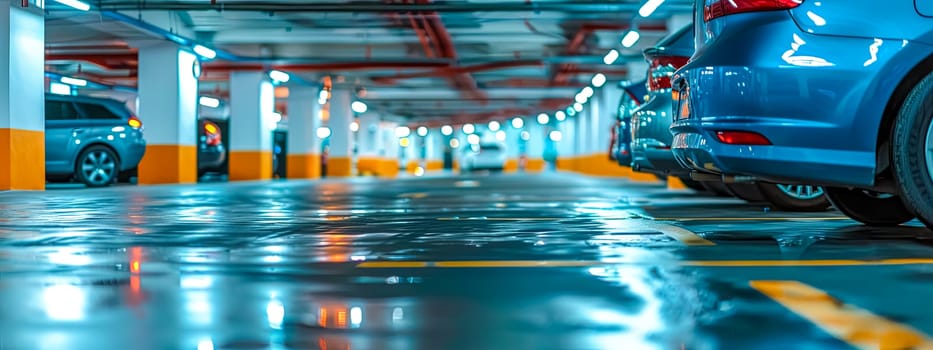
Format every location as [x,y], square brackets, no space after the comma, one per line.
[534,146]
[304,147]
[435,143]
[22,122]
[581,138]
[370,145]
[340,155]
[168,108]
[252,102]
[391,147]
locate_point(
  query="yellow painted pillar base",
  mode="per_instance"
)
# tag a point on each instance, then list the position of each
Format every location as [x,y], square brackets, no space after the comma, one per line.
[368,166]
[674,183]
[535,165]
[389,167]
[22,159]
[412,166]
[511,166]
[250,165]
[303,166]
[168,164]
[434,165]
[339,167]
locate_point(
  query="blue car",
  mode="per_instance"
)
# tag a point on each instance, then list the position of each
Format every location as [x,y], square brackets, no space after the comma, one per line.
[633,95]
[836,93]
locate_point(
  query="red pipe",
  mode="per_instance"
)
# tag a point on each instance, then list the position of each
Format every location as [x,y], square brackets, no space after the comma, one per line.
[453,70]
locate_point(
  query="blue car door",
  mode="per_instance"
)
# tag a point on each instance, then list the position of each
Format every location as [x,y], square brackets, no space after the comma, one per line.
[61,136]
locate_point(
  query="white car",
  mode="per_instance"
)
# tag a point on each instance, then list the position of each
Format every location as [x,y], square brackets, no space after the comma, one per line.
[483,156]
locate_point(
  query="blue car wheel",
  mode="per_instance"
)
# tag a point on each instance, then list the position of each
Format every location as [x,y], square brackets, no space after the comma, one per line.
[794,197]
[912,150]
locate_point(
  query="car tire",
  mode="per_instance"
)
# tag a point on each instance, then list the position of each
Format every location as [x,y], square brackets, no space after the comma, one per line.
[717,188]
[748,192]
[97,166]
[692,184]
[912,151]
[869,208]
[784,200]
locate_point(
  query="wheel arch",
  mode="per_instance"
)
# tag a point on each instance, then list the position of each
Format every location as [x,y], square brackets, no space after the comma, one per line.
[891,109]
[92,144]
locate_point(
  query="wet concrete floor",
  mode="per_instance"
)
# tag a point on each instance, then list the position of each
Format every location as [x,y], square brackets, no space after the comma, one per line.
[453,262]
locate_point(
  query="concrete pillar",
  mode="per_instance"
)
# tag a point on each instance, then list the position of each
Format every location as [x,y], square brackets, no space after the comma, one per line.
[567,147]
[22,127]
[370,145]
[304,147]
[340,156]
[534,147]
[581,137]
[252,103]
[435,144]
[168,105]
[390,141]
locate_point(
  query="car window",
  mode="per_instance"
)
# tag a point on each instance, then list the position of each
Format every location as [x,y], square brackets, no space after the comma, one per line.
[60,110]
[96,111]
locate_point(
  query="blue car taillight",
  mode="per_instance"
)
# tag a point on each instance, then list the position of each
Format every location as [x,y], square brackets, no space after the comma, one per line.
[718,8]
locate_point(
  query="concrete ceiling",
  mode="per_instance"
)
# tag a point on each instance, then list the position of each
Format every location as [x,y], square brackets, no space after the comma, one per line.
[463,59]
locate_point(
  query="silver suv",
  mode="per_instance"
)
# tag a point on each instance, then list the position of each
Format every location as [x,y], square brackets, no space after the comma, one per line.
[92,140]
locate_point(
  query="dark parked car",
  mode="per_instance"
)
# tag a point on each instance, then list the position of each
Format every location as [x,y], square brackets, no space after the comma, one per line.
[92,140]
[836,93]
[211,150]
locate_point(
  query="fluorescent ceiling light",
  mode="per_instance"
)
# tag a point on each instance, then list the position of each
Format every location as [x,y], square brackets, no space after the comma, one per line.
[611,56]
[580,98]
[500,135]
[422,131]
[402,131]
[447,130]
[75,4]
[630,38]
[469,128]
[648,8]
[555,136]
[323,132]
[59,88]
[578,107]
[204,51]
[599,80]
[518,122]
[208,101]
[494,126]
[74,81]
[359,107]
[279,76]
[587,91]
[354,126]
[560,116]
[543,118]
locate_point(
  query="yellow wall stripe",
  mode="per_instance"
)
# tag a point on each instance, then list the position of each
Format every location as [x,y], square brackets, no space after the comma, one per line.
[858,327]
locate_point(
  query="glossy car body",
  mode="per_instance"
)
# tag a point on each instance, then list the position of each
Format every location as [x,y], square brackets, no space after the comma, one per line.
[75,123]
[651,122]
[483,156]
[633,95]
[819,81]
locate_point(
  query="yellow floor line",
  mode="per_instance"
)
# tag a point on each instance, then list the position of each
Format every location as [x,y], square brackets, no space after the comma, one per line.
[681,234]
[417,195]
[693,263]
[858,327]
[499,219]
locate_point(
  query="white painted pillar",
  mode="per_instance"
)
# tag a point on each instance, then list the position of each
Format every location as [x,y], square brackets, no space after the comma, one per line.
[252,107]
[340,156]
[370,145]
[434,142]
[534,146]
[168,106]
[304,147]
[22,95]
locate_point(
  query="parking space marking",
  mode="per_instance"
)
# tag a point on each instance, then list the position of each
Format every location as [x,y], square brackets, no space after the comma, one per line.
[483,218]
[856,326]
[416,195]
[689,263]
[681,234]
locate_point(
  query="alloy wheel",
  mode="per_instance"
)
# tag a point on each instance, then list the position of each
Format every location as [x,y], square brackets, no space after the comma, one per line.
[803,192]
[98,167]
